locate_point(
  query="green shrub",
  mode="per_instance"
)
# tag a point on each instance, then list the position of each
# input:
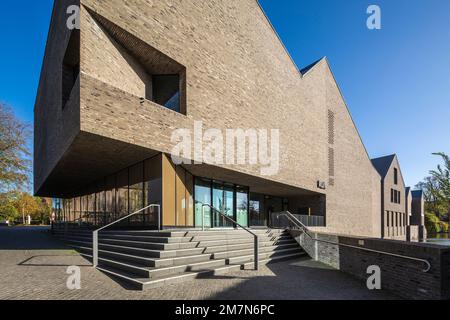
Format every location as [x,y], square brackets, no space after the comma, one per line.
[432,223]
[444,226]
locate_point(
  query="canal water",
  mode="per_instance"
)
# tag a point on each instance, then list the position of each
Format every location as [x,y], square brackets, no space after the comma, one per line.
[440,238]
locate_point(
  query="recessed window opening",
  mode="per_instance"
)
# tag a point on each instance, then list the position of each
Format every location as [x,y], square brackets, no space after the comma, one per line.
[166,91]
[70,66]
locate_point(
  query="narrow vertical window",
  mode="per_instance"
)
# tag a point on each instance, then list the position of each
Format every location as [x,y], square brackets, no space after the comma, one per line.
[70,67]
[395,176]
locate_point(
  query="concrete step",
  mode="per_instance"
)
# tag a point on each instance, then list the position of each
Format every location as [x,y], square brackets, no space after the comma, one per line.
[156,282]
[146,261]
[150,245]
[247,252]
[142,251]
[263,256]
[149,259]
[242,236]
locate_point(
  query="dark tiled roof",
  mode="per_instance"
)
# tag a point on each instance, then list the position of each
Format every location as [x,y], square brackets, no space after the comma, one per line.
[417,194]
[309,67]
[408,189]
[383,164]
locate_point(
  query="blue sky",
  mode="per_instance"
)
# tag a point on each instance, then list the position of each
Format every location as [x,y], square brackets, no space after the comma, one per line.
[396,81]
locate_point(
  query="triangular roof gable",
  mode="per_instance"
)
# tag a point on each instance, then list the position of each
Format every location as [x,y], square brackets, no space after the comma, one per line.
[383,164]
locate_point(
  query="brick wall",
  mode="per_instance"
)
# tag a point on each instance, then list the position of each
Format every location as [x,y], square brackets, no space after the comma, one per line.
[401,276]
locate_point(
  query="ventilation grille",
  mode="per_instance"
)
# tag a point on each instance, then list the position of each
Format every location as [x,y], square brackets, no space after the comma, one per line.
[330,127]
[331,164]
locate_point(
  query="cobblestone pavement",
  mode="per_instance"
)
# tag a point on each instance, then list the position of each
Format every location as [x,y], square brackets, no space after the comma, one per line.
[33,266]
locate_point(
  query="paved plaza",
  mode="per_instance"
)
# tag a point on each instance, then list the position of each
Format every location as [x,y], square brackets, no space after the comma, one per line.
[34,266]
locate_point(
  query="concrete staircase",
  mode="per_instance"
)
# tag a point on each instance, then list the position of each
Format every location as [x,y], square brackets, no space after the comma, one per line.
[150,259]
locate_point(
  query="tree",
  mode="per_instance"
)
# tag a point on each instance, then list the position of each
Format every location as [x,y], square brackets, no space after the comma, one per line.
[436,189]
[26,205]
[7,209]
[14,154]
[44,210]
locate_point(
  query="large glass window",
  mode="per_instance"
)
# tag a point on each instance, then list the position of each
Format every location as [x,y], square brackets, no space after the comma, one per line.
[152,188]
[242,206]
[258,215]
[136,193]
[110,195]
[202,196]
[223,200]
[91,208]
[122,193]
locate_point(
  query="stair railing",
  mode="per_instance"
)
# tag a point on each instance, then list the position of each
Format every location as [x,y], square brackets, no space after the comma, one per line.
[305,230]
[80,219]
[255,236]
[96,232]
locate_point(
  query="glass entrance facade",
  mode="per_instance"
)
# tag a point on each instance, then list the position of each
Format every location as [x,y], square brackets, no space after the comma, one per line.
[181,196]
[231,200]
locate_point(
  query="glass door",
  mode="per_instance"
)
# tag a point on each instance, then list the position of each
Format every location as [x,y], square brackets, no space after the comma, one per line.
[202,192]
[223,200]
[242,204]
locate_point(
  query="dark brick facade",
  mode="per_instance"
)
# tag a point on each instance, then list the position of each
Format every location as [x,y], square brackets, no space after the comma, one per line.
[401,276]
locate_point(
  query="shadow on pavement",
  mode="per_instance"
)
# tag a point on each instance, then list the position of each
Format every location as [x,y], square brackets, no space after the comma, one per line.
[29,238]
[303,279]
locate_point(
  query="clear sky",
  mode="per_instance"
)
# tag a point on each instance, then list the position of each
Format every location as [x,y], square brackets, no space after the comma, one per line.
[396,81]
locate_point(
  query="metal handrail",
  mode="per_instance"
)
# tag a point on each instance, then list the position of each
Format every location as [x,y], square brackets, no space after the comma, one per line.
[255,236]
[299,224]
[95,233]
[66,223]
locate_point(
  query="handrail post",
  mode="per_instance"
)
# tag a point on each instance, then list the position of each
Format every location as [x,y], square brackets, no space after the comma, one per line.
[159,218]
[256,252]
[203,218]
[96,232]
[95,249]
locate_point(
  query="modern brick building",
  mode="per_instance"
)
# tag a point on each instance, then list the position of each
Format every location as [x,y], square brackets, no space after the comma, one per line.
[393,199]
[112,93]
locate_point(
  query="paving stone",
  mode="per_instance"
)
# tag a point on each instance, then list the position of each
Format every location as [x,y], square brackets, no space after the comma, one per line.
[34,266]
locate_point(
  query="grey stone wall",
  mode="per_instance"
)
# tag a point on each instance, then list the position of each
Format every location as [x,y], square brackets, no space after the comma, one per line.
[401,276]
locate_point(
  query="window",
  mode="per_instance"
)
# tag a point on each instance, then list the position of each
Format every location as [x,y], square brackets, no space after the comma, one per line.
[70,67]
[398,197]
[395,176]
[166,91]
[392,195]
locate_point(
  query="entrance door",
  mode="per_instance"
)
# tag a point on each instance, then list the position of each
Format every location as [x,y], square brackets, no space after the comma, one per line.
[223,200]
[229,199]
[202,196]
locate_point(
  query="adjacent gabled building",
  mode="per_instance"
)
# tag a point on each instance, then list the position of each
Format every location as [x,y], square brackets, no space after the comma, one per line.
[394,219]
